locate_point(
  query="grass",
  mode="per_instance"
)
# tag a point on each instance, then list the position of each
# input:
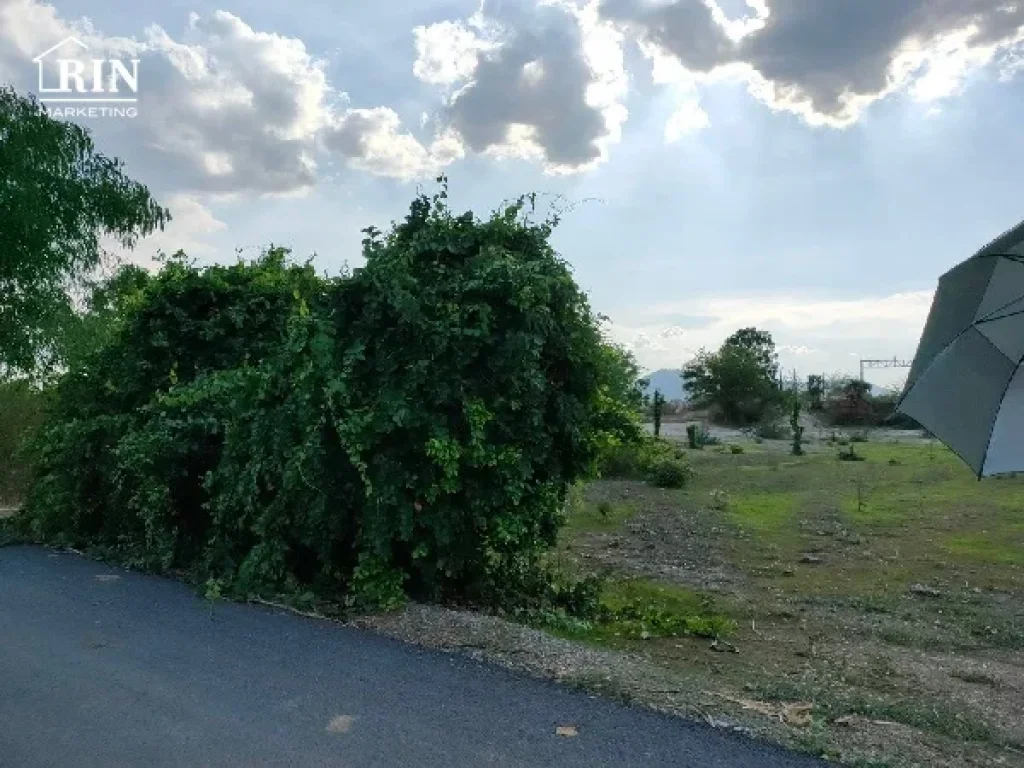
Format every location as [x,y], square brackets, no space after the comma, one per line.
[1001,547]
[598,517]
[642,609]
[812,565]
[763,513]
[930,716]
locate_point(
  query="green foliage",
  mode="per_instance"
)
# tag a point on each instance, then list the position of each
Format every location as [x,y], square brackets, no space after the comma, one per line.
[771,428]
[850,455]
[816,392]
[659,462]
[411,429]
[58,199]
[657,404]
[669,473]
[693,437]
[698,437]
[22,407]
[638,609]
[796,428]
[759,344]
[739,379]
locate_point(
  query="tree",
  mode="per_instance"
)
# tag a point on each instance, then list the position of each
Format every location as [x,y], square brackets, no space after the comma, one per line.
[58,198]
[739,379]
[761,345]
[816,391]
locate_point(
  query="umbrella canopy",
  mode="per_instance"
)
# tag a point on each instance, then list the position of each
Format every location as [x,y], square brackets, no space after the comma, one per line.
[966,384]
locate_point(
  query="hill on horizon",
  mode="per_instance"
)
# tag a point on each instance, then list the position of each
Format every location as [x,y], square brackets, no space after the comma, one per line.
[669,381]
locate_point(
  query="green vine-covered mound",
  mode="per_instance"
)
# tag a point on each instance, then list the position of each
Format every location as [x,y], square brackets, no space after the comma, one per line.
[411,428]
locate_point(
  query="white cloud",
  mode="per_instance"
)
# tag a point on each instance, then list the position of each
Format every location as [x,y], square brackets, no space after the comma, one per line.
[812,334]
[192,227]
[448,52]
[375,141]
[826,62]
[544,82]
[687,119]
[225,107]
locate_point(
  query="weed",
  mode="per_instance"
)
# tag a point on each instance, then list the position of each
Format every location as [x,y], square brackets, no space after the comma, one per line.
[849,455]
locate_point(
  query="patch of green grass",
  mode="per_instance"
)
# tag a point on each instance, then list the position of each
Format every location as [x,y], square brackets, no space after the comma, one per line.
[669,597]
[640,609]
[600,517]
[1004,548]
[763,513]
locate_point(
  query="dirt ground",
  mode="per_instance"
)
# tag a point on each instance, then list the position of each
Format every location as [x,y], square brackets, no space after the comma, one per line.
[877,603]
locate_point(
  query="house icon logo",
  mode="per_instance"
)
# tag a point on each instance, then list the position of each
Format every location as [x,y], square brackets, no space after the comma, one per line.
[68,75]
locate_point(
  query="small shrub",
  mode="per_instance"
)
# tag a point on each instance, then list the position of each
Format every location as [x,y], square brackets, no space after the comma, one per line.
[698,436]
[605,508]
[859,437]
[736,449]
[706,438]
[623,461]
[850,455]
[669,473]
[771,430]
[657,461]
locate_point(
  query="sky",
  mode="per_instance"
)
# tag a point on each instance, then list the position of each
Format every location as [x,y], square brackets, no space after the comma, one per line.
[810,167]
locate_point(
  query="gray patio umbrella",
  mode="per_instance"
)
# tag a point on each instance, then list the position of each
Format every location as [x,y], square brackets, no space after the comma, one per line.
[966,384]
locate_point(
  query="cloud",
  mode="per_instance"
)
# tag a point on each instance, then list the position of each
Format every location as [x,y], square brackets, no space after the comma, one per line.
[191,229]
[374,141]
[543,81]
[826,61]
[809,331]
[224,107]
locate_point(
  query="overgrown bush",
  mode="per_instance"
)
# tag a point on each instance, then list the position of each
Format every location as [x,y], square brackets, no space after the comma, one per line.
[411,429]
[21,413]
[669,473]
[656,461]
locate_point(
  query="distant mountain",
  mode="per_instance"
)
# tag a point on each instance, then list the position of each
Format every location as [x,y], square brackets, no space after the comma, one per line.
[669,381]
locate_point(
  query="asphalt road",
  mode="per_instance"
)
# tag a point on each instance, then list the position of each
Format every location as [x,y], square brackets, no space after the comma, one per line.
[100,667]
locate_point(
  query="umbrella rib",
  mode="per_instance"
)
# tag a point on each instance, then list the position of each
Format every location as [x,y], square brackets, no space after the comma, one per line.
[956,338]
[921,375]
[1011,257]
[989,319]
[999,402]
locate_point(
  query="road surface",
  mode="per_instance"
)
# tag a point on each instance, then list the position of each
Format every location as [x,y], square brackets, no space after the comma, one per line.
[101,667]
